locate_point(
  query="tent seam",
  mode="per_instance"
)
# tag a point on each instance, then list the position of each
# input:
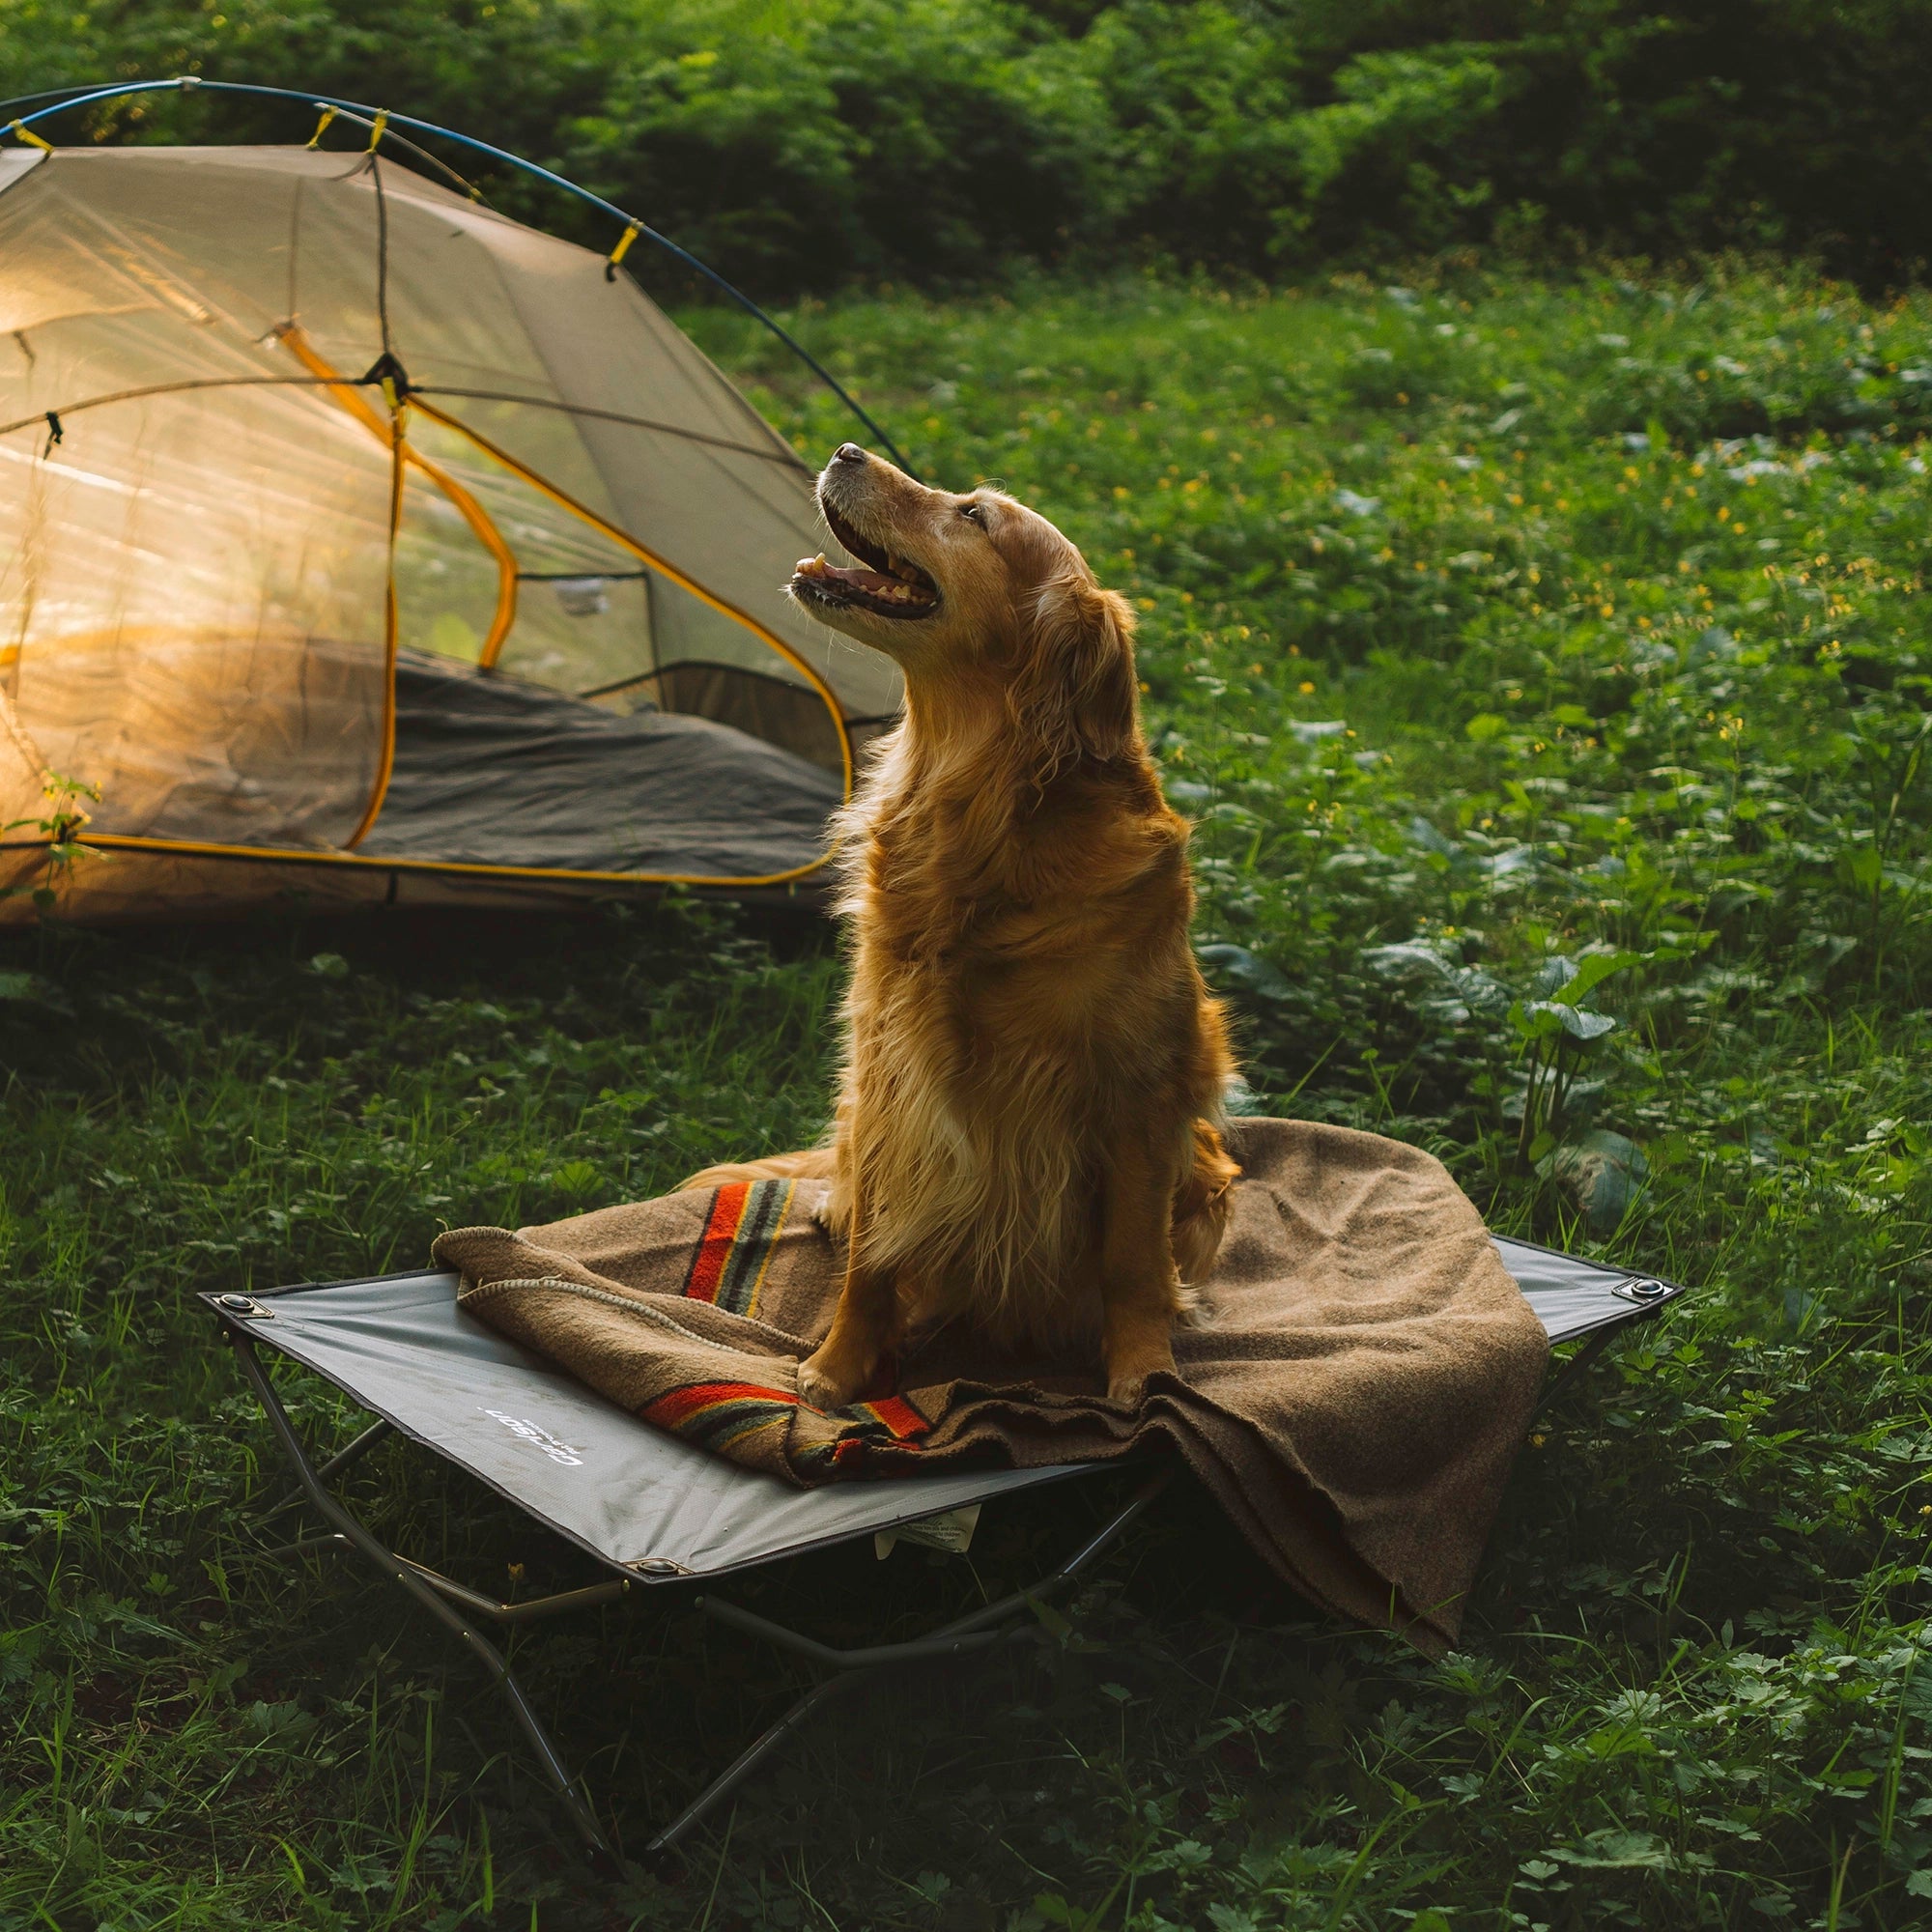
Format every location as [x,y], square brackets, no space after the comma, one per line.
[292,855]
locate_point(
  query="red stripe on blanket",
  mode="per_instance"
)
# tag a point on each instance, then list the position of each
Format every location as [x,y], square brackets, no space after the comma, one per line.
[680,1405]
[714,1248]
[898,1415]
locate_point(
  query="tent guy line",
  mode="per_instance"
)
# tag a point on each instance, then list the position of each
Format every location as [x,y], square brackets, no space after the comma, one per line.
[378,125]
[188,82]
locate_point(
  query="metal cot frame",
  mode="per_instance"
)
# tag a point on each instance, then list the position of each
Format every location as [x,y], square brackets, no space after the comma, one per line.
[400,1347]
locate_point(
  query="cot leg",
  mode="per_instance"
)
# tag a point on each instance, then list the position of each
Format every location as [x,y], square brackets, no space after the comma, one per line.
[377,1431]
[602,1857]
[660,1850]
[1578,1362]
[1008,1617]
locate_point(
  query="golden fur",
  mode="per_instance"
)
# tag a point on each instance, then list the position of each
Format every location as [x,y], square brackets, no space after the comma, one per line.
[1026,1131]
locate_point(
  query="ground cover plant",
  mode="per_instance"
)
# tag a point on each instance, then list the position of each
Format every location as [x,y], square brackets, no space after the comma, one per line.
[1546,669]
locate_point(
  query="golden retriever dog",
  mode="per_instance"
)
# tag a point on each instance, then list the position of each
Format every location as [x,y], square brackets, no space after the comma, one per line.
[1026,1136]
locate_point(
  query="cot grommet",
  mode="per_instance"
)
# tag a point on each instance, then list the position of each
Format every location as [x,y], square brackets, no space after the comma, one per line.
[1641,1290]
[244,1304]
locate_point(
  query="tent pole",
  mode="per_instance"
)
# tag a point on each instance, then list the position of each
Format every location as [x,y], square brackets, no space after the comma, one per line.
[402,1574]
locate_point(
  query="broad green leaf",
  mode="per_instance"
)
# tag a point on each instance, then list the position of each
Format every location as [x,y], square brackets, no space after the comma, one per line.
[1409,959]
[1603,1172]
[1593,972]
[1535,1020]
[1581,1025]
[1246,970]
[30,989]
[1547,1016]
[1050,1619]
[1863,869]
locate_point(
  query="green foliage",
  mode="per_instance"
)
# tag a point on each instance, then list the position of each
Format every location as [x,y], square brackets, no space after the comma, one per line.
[62,815]
[946,140]
[1547,673]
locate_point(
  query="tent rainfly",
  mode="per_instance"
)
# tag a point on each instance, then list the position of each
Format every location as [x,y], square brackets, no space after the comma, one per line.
[358,540]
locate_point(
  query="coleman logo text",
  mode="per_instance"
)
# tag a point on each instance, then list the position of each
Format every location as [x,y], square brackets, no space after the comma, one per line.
[537,1438]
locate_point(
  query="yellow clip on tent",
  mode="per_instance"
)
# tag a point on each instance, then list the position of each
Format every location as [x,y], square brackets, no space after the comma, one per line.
[357,538]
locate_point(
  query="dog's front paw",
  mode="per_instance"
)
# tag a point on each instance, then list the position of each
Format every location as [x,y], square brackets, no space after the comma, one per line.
[1127,1381]
[820,1383]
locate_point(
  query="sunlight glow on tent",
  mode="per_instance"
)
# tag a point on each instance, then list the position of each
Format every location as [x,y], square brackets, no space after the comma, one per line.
[348,525]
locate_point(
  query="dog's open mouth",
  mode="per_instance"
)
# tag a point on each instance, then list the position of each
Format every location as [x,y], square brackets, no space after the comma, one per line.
[889,587]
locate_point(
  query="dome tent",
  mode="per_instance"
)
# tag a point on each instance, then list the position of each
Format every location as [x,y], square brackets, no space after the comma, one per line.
[359,539]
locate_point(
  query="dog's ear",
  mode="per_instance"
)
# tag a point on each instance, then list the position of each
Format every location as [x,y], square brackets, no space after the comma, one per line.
[1077,684]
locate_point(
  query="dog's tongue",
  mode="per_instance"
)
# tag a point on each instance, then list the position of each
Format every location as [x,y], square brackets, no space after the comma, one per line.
[860,579]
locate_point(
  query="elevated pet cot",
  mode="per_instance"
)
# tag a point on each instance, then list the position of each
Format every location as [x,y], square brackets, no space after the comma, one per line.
[655,1511]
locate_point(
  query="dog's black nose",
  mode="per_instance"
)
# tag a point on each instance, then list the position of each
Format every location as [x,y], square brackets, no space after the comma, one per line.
[848,452]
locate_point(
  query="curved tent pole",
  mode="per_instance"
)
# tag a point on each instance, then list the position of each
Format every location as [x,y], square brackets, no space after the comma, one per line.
[192,83]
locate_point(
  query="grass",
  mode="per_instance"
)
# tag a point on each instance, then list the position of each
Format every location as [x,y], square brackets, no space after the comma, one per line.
[1546,669]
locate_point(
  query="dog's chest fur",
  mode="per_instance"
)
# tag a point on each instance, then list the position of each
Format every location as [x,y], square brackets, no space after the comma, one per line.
[997,1024]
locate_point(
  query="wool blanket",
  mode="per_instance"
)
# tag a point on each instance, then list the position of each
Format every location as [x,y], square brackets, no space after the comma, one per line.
[1353,1392]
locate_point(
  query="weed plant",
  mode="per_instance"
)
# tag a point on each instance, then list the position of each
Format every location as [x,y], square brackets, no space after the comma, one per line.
[1547,670]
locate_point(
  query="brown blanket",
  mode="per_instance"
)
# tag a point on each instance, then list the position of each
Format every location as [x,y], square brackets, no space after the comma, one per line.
[1353,1394]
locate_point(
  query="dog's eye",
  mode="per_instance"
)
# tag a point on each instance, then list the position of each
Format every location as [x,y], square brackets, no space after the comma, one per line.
[973,514]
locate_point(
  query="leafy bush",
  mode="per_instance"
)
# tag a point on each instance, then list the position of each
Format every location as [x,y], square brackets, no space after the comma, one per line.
[799,145]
